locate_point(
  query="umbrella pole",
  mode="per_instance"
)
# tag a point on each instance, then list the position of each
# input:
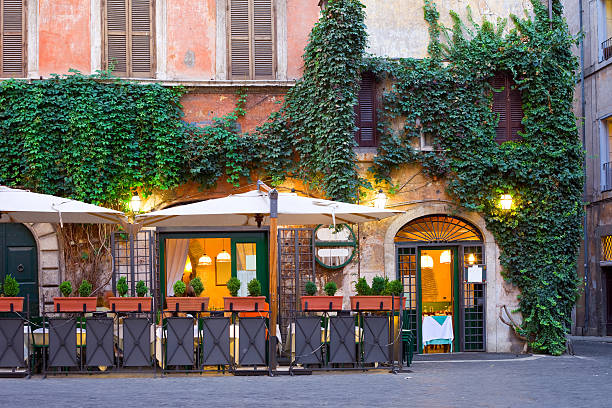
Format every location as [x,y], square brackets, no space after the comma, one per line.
[273,194]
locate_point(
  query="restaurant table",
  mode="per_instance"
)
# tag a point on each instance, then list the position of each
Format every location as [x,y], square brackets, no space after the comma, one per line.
[438,330]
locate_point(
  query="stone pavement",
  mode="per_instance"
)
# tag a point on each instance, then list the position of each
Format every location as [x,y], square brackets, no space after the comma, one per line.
[462,380]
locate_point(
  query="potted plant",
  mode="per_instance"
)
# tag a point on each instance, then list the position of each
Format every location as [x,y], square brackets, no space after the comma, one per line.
[82,303]
[371,298]
[310,302]
[180,303]
[396,289]
[9,302]
[252,303]
[122,303]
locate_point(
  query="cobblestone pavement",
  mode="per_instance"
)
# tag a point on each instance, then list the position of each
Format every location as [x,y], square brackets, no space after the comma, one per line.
[584,380]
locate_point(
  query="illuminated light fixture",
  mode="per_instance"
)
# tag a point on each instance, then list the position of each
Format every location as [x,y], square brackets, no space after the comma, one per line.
[224,256]
[380,201]
[188,267]
[205,260]
[426,261]
[505,202]
[445,257]
[135,204]
[471,259]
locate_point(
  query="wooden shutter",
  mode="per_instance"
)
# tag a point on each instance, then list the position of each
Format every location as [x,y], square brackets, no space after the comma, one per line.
[13,38]
[366,112]
[129,37]
[508,105]
[251,39]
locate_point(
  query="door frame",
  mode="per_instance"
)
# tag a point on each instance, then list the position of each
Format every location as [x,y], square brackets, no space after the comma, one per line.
[260,238]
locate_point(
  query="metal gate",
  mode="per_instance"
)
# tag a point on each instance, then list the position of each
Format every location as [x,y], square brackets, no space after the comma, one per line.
[296,265]
[473,306]
[135,258]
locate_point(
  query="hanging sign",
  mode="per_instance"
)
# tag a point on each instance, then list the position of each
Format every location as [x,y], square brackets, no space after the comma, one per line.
[334,247]
[475,274]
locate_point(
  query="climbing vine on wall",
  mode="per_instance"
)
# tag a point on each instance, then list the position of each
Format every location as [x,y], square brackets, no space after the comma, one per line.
[449,97]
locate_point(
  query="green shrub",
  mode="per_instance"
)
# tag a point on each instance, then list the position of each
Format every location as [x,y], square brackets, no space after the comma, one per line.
[254,288]
[330,288]
[362,287]
[11,286]
[66,288]
[179,288]
[378,285]
[141,289]
[310,288]
[122,286]
[233,285]
[197,285]
[394,288]
[85,288]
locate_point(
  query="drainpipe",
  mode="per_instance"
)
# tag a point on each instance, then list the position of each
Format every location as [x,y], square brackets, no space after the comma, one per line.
[585,225]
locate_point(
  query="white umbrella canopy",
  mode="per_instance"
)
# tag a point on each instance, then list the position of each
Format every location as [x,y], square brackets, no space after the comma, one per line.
[243,210]
[24,206]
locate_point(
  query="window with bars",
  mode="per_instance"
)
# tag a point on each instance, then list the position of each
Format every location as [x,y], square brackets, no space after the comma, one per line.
[128,37]
[508,104]
[12,43]
[365,112]
[251,39]
[606,248]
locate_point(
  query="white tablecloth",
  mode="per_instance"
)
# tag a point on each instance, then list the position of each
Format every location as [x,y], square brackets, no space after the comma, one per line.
[433,330]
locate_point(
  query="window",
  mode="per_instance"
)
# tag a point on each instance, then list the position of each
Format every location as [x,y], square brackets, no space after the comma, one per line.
[604,28]
[251,40]
[507,103]
[366,112]
[13,38]
[605,156]
[128,37]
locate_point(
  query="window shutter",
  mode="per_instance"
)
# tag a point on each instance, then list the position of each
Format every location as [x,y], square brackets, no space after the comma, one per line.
[366,112]
[13,38]
[116,32]
[508,105]
[141,38]
[515,107]
[263,44]
[240,65]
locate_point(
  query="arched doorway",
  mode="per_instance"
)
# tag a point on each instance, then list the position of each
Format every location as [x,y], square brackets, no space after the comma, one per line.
[19,258]
[433,253]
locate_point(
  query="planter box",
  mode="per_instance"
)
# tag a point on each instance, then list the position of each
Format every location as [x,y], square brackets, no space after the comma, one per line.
[74,304]
[244,304]
[130,304]
[321,303]
[187,304]
[375,303]
[11,304]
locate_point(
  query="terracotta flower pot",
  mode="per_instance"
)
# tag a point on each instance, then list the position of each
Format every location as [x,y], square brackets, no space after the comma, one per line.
[130,304]
[11,304]
[74,304]
[375,303]
[187,304]
[321,303]
[244,304]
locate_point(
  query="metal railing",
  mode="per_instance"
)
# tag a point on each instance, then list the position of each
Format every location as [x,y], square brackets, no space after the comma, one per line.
[606,174]
[606,47]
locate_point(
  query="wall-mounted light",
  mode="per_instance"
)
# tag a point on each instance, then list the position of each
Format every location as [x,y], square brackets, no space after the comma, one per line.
[224,256]
[505,202]
[188,267]
[135,204]
[471,259]
[426,261]
[380,201]
[205,260]
[445,257]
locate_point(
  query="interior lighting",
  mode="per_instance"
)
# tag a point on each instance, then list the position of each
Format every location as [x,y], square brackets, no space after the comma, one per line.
[471,259]
[188,267]
[224,256]
[204,260]
[426,261]
[445,257]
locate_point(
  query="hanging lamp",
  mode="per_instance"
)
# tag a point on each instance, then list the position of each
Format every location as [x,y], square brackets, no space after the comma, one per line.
[205,260]
[426,261]
[224,256]
[445,257]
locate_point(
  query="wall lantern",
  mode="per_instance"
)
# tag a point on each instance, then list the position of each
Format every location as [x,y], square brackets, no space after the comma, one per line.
[205,260]
[445,257]
[135,204]
[471,259]
[505,202]
[426,261]
[224,256]
[380,201]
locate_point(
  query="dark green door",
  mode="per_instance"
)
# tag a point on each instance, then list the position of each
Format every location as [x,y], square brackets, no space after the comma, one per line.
[18,257]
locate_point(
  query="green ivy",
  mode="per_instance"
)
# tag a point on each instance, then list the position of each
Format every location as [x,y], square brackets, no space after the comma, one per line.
[448,97]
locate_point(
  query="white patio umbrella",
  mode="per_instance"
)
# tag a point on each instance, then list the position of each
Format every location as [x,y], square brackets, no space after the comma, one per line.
[25,206]
[268,208]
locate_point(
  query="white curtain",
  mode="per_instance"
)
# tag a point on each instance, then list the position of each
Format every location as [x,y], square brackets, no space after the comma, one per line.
[176,257]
